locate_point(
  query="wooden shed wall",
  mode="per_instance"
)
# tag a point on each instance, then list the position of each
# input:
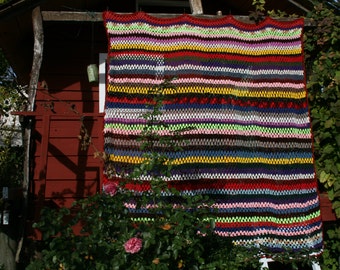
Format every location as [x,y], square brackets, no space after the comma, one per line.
[63,170]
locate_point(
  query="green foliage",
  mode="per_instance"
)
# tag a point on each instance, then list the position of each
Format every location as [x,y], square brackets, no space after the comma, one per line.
[321,43]
[330,256]
[12,95]
[259,12]
[12,98]
[323,59]
[11,162]
[172,237]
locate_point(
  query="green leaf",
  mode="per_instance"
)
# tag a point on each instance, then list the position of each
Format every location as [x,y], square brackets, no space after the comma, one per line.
[337,212]
[330,194]
[329,123]
[324,177]
[337,75]
[336,205]
[328,149]
[336,194]
[337,139]
[159,247]
[336,185]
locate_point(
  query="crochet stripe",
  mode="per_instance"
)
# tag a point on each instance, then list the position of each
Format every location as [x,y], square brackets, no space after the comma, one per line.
[240,93]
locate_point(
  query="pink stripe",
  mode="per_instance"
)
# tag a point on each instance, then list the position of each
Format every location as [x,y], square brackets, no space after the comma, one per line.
[212,132]
[224,35]
[198,80]
[267,204]
[262,232]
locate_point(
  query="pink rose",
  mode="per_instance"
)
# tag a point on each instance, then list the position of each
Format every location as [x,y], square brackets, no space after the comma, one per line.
[133,245]
[111,188]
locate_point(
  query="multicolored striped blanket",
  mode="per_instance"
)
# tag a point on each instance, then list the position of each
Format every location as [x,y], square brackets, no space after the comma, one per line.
[242,89]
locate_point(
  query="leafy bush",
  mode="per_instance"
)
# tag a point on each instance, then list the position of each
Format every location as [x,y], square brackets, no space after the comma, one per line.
[112,239]
[176,231]
[323,61]
[170,240]
[12,98]
[330,257]
[171,230]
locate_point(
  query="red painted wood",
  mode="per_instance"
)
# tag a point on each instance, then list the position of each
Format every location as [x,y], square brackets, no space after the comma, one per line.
[71,146]
[327,213]
[62,171]
[60,190]
[70,168]
[71,92]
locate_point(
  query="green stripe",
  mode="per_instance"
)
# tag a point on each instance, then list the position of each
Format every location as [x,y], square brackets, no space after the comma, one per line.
[277,220]
[226,127]
[208,32]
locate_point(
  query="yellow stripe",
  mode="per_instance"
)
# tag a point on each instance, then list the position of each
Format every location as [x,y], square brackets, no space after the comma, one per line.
[187,47]
[186,160]
[212,90]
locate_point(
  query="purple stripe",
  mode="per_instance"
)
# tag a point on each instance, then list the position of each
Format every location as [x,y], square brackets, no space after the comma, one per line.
[209,121]
[183,41]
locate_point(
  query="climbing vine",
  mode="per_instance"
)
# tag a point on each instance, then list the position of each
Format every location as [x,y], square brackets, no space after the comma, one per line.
[12,98]
[322,45]
[323,65]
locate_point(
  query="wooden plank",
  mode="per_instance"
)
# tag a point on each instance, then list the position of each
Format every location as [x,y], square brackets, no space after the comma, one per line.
[72,92]
[66,175]
[44,150]
[39,115]
[70,168]
[38,47]
[75,69]
[98,17]
[327,213]
[72,16]
[71,189]
[61,82]
[163,3]
[70,128]
[196,7]
[70,107]
[70,146]
[299,6]
[75,163]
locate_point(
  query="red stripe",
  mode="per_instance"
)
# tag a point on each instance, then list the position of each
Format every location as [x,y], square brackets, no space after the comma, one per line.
[230,184]
[204,55]
[217,22]
[236,184]
[213,100]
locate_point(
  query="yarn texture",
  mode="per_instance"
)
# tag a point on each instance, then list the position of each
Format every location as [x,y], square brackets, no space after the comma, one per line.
[240,90]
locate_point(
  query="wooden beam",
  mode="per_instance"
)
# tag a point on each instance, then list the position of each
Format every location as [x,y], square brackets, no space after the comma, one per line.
[62,16]
[98,16]
[163,3]
[196,7]
[72,16]
[299,6]
[38,46]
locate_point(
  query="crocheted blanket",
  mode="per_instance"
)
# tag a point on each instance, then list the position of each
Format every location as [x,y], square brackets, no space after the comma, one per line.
[242,89]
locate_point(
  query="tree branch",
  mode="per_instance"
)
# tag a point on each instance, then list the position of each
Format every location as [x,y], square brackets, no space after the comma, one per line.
[32,90]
